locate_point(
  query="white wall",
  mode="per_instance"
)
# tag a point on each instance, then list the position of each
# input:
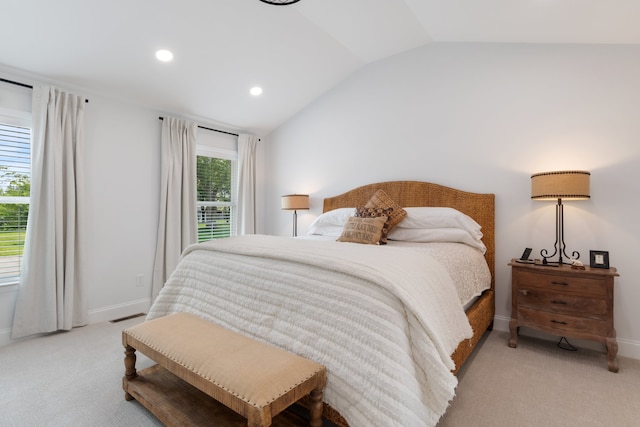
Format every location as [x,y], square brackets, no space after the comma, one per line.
[122,169]
[483,118]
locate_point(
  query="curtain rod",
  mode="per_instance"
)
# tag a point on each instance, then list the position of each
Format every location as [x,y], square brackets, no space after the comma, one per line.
[16,83]
[214,130]
[24,85]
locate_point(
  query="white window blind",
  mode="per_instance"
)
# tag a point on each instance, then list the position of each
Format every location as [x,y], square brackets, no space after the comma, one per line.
[215,180]
[15,183]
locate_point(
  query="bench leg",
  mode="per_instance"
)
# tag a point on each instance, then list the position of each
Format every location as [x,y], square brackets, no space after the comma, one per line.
[257,418]
[315,407]
[129,367]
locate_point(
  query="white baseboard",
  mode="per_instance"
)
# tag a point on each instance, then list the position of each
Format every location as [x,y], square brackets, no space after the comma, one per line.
[118,311]
[626,348]
[102,314]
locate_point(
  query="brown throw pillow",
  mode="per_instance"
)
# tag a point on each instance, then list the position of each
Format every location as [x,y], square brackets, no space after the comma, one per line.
[375,213]
[380,199]
[363,230]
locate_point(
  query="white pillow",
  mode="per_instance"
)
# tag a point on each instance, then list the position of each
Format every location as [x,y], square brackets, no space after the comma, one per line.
[426,235]
[439,217]
[331,223]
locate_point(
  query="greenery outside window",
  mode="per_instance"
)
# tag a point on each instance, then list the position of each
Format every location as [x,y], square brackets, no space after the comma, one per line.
[216,200]
[15,184]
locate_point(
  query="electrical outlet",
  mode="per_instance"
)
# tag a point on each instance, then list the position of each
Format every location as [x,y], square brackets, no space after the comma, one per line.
[139,278]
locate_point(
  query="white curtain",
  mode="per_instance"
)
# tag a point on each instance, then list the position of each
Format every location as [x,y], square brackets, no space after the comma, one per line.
[51,296]
[247,146]
[177,227]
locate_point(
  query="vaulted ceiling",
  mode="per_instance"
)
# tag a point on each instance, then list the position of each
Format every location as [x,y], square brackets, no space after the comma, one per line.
[296,53]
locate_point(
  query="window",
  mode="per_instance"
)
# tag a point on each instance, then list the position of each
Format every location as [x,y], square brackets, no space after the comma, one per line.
[216,182]
[15,183]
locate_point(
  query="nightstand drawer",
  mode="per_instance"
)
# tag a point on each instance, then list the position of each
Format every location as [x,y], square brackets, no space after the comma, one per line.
[560,323]
[562,283]
[563,303]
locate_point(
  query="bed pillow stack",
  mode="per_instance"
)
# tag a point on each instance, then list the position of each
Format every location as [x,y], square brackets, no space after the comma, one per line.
[380,205]
[411,224]
[438,224]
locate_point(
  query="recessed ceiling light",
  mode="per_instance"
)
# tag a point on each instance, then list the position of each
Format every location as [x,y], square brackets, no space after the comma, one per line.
[255,91]
[164,55]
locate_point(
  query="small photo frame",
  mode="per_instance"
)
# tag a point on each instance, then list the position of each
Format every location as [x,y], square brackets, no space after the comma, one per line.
[599,259]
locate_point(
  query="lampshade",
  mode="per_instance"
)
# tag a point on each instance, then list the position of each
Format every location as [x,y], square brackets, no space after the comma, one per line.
[567,185]
[295,202]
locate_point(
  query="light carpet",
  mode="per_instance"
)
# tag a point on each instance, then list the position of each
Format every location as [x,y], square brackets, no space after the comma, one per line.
[539,384]
[74,379]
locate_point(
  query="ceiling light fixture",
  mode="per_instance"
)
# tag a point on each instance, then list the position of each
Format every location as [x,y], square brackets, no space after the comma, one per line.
[255,91]
[279,2]
[164,55]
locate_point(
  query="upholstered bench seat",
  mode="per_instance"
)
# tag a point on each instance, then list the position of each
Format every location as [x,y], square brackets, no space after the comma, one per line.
[254,379]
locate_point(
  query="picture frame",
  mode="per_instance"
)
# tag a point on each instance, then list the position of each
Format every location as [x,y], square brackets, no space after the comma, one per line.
[599,259]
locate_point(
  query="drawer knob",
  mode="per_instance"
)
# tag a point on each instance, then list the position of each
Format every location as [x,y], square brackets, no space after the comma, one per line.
[560,283]
[561,322]
[555,301]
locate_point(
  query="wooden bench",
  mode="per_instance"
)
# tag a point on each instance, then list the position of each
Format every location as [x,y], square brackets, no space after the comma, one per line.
[255,380]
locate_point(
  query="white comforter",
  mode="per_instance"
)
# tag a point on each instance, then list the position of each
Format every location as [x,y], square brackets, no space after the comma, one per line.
[384,321]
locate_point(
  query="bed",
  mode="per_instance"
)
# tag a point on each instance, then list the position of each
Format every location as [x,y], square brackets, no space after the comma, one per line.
[390,335]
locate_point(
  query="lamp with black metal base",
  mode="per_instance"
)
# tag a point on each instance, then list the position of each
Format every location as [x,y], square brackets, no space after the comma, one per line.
[567,185]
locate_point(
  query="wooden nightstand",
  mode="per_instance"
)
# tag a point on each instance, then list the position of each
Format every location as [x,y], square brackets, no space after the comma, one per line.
[564,302]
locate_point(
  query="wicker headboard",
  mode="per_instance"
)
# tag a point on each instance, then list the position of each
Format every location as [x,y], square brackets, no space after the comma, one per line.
[480,207]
